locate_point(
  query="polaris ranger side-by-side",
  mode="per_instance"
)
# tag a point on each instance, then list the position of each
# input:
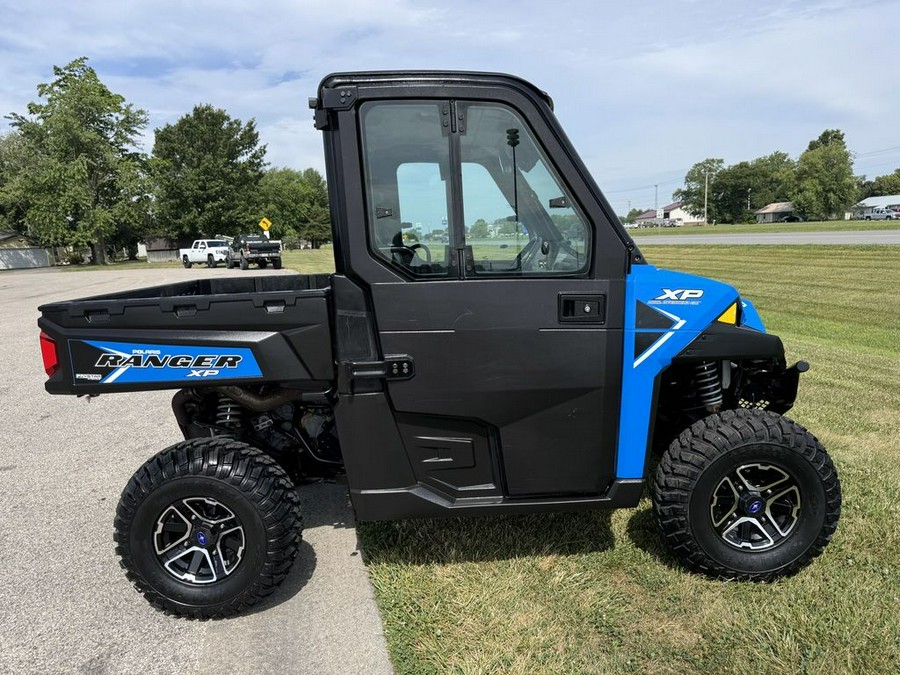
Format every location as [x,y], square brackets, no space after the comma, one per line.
[516,355]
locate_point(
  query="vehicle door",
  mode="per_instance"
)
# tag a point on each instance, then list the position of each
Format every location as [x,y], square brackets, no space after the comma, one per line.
[505,294]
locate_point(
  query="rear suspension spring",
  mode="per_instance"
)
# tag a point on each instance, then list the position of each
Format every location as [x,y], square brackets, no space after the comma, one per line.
[709,387]
[228,413]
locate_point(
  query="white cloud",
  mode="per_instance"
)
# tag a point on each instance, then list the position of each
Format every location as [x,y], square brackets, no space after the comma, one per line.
[644,90]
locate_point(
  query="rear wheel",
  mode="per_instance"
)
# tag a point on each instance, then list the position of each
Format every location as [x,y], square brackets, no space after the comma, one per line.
[746,494]
[208,527]
[187,263]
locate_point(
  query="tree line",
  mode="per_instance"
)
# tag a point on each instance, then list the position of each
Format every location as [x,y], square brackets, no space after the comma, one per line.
[820,183]
[72,174]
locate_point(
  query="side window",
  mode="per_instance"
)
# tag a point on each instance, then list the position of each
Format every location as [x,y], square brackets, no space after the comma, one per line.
[407,179]
[520,219]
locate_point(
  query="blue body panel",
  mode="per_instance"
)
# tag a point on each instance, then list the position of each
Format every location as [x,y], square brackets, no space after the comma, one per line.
[129,362]
[678,307]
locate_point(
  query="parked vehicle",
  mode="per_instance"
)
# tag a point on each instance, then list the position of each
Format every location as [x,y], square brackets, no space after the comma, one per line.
[790,219]
[209,251]
[543,373]
[247,249]
[882,214]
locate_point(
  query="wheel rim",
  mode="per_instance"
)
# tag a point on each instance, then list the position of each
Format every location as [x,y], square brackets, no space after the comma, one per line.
[755,506]
[199,540]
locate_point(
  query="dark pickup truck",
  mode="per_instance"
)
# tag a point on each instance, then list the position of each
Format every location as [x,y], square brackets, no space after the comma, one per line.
[538,365]
[253,248]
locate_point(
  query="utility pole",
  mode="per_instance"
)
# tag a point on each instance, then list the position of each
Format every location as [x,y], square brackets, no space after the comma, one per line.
[748,198]
[656,197]
[705,195]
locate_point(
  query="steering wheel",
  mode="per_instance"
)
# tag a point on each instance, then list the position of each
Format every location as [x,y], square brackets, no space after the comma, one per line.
[407,253]
[526,257]
[418,245]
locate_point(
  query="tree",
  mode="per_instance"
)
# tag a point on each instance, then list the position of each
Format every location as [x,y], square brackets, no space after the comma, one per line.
[15,163]
[283,200]
[827,137]
[775,179]
[317,224]
[733,189]
[632,215]
[85,179]
[696,186]
[826,186]
[207,168]
[479,229]
[888,184]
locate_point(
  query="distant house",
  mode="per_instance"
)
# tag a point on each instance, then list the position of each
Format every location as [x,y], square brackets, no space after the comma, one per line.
[675,213]
[772,213]
[161,249]
[648,218]
[18,251]
[865,207]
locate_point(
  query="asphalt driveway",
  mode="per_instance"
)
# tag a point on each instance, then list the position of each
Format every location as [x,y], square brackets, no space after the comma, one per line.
[66,605]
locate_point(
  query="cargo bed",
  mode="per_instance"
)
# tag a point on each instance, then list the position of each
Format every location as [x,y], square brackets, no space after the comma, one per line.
[272,329]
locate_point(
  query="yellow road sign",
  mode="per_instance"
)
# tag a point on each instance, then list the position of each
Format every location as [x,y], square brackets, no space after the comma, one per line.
[265,223]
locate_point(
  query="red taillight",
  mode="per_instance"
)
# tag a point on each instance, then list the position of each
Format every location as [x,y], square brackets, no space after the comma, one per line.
[248,248]
[48,352]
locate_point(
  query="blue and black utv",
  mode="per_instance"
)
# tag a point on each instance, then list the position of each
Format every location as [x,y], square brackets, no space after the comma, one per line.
[492,341]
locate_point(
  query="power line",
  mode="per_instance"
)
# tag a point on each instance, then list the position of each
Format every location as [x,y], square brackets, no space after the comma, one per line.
[877,152]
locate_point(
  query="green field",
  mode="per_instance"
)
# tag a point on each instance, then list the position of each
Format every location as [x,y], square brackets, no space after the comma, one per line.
[596,593]
[769,228]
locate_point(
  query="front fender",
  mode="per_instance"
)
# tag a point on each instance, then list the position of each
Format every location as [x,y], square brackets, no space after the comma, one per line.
[664,313]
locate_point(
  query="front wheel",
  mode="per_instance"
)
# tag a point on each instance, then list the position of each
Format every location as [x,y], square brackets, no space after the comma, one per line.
[208,527]
[746,494]
[276,263]
[245,264]
[187,263]
[263,264]
[211,262]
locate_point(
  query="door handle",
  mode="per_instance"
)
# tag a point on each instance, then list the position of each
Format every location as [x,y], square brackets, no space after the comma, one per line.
[577,308]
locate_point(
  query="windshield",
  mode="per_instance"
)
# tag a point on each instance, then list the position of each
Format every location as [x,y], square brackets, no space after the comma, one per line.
[215,243]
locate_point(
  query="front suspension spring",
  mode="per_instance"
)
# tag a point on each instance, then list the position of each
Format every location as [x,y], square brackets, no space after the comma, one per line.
[709,387]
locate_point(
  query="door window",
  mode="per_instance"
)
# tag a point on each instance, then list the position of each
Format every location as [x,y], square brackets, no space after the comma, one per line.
[520,219]
[407,170]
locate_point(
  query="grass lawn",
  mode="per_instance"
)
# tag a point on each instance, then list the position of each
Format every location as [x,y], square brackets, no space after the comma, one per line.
[596,593]
[769,228]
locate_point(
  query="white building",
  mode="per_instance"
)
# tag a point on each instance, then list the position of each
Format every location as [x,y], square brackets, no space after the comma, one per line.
[866,206]
[674,213]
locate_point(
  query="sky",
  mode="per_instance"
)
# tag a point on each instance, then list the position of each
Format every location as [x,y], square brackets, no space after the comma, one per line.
[643,89]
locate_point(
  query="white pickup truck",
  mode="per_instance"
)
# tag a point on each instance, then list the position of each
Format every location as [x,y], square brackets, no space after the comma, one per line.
[209,251]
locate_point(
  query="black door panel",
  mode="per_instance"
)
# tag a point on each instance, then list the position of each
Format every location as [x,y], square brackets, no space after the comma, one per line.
[495,351]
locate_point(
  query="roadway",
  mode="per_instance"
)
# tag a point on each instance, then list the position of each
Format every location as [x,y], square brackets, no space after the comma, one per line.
[66,605]
[862,237]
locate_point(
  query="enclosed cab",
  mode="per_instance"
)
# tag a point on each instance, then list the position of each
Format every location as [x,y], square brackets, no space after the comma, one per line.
[492,341]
